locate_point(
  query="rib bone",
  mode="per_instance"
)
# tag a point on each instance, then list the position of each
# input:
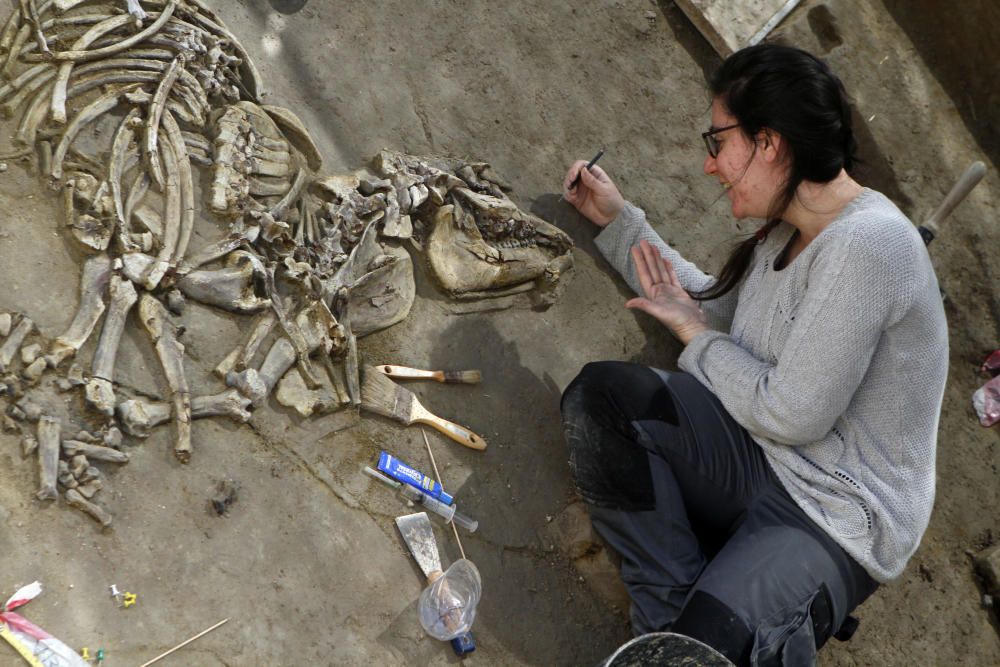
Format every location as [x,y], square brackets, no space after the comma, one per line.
[171,354]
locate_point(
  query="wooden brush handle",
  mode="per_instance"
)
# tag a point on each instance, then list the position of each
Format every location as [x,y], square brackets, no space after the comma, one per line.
[459,434]
[405,373]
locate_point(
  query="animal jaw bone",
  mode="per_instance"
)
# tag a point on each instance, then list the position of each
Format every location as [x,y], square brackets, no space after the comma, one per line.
[521,248]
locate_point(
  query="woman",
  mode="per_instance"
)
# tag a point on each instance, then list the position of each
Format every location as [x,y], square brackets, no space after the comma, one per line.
[760,495]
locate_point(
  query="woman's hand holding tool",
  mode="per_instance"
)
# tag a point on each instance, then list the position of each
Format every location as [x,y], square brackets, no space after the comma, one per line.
[664,298]
[588,188]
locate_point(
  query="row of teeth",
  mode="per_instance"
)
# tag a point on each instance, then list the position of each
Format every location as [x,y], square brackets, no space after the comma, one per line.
[527,243]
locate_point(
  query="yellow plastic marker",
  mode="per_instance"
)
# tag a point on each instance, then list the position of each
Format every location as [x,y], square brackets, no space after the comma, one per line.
[85,653]
[19,646]
[128,599]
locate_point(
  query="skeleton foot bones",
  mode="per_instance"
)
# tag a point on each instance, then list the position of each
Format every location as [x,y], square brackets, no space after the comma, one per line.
[315,259]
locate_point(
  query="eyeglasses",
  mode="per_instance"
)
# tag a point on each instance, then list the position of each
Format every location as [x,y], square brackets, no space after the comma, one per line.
[711,143]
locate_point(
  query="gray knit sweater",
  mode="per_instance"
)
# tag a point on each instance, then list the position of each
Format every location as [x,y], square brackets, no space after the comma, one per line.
[835,365]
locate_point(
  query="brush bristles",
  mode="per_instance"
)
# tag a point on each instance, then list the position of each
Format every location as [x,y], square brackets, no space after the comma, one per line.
[383,396]
[463,377]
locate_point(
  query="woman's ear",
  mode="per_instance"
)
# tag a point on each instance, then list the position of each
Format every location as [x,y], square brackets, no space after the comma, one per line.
[771,143]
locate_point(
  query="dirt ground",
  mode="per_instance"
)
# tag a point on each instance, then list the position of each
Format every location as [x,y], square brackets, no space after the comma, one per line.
[308,564]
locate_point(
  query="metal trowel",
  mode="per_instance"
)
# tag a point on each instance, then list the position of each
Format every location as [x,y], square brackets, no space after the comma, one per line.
[418,534]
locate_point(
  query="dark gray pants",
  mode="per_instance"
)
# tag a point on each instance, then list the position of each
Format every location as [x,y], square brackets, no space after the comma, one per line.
[712,545]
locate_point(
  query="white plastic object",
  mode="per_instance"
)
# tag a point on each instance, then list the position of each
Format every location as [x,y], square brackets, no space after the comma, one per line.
[447,607]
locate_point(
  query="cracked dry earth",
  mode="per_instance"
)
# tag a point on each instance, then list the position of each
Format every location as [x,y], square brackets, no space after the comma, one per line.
[307,561]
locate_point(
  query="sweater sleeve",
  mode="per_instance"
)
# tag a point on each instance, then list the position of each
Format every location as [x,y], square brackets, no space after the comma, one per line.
[616,240]
[857,288]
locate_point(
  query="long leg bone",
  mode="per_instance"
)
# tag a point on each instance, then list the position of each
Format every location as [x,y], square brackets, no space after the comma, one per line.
[238,359]
[75,499]
[13,343]
[96,274]
[48,458]
[171,353]
[138,417]
[94,452]
[100,392]
[258,384]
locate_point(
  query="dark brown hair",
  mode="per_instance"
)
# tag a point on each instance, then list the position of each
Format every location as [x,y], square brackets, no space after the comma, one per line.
[793,93]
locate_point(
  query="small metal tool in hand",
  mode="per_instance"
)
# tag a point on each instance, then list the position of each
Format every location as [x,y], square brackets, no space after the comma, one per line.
[589,165]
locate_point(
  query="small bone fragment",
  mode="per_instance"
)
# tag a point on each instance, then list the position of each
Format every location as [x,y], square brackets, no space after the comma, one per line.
[35,369]
[222,247]
[32,411]
[78,465]
[258,384]
[293,393]
[6,321]
[90,489]
[100,393]
[13,342]
[88,475]
[138,416]
[296,131]
[241,356]
[48,458]
[30,352]
[29,444]
[96,274]
[171,353]
[93,452]
[10,425]
[16,413]
[136,10]
[65,477]
[75,499]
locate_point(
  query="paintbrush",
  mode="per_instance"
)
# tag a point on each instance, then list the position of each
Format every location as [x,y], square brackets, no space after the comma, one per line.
[451,377]
[381,395]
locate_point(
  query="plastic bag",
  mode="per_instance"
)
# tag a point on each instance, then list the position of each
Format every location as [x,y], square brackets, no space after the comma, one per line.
[26,637]
[448,606]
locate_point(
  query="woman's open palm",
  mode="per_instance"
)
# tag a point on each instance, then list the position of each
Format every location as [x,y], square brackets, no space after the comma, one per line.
[664,298]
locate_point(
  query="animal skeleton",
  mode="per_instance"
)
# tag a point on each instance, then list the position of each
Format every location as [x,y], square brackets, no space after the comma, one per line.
[313,255]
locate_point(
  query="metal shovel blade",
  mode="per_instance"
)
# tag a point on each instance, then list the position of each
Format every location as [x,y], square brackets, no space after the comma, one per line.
[419,537]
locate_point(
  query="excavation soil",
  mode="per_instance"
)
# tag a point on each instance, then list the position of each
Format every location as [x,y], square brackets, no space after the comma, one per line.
[306,561]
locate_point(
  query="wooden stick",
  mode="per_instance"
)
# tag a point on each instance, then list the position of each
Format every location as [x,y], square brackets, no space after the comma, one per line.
[184,643]
[437,475]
